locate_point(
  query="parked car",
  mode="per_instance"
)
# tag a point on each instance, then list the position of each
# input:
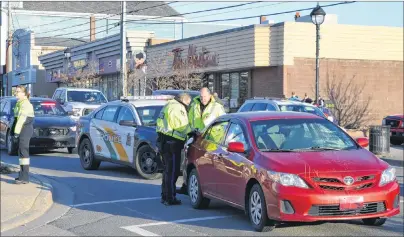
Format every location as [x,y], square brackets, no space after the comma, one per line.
[122,132]
[284,166]
[278,104]
[80,101]
[327,112]
[396,123]
[53,128]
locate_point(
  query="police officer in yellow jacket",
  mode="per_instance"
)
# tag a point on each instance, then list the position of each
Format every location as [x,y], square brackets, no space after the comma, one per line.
[23,130]
[172,129]
[204,110]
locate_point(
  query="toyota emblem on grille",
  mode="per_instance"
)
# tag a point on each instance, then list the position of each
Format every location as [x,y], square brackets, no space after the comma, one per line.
[348,180]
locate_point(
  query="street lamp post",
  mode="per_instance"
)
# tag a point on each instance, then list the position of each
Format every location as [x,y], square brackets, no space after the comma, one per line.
[317,17]
[66,60]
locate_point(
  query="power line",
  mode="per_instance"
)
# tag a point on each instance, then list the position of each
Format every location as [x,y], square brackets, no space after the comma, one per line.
[200,11]
[68,19]
[238,18]
[74,26]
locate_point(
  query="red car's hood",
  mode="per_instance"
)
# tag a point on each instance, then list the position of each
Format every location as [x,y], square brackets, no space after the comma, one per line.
[322,161]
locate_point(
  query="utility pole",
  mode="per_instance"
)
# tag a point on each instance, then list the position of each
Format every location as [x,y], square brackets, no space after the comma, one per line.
[123,50]
[9,42]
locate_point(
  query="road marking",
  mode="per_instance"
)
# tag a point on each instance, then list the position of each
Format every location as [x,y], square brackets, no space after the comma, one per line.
[115,201]
[183,221]
[140,231]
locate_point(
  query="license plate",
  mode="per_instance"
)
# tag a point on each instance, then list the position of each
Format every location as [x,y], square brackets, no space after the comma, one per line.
[351,203]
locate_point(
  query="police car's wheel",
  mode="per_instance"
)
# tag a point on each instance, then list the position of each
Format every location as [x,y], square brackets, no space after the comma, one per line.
[195,192]
[146,163]
[11,147]
[87,159]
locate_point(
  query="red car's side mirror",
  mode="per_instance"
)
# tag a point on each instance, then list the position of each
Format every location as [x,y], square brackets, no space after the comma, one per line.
[362,141]
[236,147]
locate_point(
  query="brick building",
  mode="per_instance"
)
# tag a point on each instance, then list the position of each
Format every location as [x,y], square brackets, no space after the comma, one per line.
[278,59]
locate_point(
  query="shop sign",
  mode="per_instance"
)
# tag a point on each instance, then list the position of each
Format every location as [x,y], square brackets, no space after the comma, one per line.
[26,77]
[109,64]
[203,59]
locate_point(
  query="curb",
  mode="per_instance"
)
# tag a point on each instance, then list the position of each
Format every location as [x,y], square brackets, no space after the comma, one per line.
[42,204]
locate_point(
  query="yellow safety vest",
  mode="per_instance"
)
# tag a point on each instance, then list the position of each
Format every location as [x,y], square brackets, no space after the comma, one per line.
[173,121]
[22,110]
[211,112]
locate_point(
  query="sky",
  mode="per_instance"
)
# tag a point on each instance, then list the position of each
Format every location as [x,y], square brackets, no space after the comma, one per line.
[358,13]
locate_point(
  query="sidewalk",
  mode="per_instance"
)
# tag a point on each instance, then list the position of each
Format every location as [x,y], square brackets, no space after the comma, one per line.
[22,203]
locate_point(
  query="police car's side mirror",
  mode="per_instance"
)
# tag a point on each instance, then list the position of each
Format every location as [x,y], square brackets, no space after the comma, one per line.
[128,123]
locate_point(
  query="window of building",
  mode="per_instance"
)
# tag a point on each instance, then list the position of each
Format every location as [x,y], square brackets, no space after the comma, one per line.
[233,88]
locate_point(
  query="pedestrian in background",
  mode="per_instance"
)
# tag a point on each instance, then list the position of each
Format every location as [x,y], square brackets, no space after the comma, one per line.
[204,109]
[23,130]
[172,129]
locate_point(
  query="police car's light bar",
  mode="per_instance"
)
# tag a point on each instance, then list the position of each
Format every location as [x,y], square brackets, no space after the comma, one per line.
[151,97]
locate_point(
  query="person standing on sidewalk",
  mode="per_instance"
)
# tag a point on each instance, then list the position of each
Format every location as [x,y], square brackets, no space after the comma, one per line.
[172,129]
[204,110]
[23,131]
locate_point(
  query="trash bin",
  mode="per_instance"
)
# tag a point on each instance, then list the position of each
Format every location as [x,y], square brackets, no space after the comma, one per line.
[379,140]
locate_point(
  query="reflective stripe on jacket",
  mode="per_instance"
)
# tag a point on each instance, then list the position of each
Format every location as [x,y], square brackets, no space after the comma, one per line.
[23,110]
[173,120]
[211,112]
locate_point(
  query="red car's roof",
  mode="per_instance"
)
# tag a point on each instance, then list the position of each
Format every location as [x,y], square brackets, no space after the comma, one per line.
[265,115]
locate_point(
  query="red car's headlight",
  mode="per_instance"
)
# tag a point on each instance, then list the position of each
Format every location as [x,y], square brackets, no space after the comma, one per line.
[287,179]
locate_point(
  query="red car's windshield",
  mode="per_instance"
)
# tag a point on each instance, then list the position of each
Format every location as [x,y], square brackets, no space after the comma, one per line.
[298,134]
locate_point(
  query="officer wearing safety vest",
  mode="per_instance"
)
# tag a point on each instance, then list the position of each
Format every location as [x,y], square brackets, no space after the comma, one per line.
[204,110]
[23,130]
[172,129]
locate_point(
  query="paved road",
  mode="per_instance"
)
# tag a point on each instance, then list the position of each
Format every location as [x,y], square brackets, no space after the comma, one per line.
[114,201]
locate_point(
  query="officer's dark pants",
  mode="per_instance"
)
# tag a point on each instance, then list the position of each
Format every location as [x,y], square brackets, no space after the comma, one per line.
[23,149]
[171,152]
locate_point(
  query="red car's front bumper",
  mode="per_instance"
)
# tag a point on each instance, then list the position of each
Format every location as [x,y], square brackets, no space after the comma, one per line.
[311,205]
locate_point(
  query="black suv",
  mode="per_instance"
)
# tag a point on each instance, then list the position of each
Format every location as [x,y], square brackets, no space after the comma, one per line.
[53,128]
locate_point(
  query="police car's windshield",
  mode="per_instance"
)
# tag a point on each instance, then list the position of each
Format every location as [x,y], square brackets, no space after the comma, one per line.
[48,108]
[302,108]
[88,97]
[149,114]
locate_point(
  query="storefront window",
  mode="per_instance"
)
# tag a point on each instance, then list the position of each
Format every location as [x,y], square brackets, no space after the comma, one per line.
[243,87]
[211,82]
[234,90]
[225,86]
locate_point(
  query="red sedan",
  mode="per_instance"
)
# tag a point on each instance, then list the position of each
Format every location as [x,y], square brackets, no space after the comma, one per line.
[287,166]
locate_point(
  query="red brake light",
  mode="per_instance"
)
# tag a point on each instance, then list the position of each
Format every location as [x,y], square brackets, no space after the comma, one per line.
[48,104]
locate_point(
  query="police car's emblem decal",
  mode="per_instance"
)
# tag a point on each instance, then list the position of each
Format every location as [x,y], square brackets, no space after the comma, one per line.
[128,140]
[98,148]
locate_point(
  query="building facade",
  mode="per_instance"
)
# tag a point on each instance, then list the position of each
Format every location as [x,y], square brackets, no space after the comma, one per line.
[276,60]
[96,63]
[26,69]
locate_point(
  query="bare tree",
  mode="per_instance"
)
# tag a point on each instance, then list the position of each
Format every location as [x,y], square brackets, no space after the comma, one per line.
[350,106]
[88,73]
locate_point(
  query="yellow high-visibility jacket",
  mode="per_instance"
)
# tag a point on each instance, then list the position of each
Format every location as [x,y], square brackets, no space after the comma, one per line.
[199,120]
[22,111]
[173,120]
